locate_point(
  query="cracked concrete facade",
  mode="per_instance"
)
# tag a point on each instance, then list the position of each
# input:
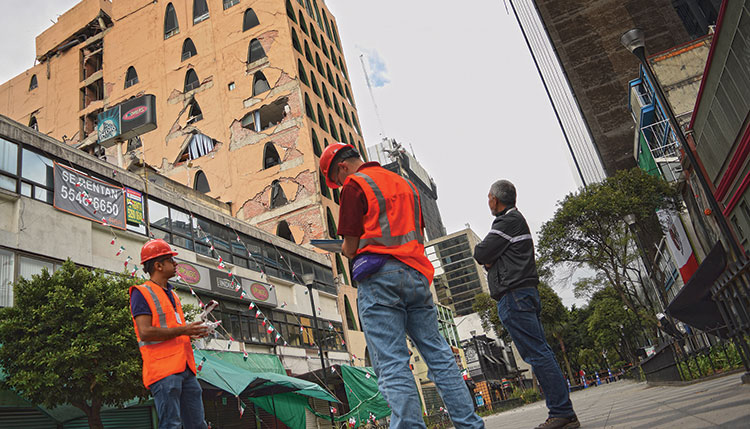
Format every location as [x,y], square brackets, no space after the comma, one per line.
[133,35]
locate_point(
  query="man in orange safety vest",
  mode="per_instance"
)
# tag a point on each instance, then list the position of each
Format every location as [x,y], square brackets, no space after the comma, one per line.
[164,341]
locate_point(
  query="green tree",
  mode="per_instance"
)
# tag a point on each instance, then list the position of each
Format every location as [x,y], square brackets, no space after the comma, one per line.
[486,307]
[69,339]
[554,317]
[612,326]
[588,230]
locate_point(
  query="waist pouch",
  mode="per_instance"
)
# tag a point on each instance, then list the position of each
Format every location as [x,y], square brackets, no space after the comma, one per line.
[367,264]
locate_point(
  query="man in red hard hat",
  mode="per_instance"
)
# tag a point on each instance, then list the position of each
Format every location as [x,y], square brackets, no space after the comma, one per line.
[381,221]
[164,341]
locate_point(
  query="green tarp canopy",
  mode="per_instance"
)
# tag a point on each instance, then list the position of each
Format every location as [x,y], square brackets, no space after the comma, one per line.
[264,380]
[363,395]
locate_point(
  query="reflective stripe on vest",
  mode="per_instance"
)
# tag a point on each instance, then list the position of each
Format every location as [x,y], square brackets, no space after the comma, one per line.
[159,313]
[386,238]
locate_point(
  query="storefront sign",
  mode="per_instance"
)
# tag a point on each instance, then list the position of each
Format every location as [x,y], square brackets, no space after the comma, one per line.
[260,292]
[126,120]
[678,243]
[193,274]
[81,195]
[134,206]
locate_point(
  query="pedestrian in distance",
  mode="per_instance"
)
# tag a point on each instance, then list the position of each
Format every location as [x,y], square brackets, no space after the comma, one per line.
[164,341]
[508,254]
[381,221]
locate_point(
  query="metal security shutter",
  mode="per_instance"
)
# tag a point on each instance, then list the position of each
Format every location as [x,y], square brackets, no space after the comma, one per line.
[127,418]
[25,418]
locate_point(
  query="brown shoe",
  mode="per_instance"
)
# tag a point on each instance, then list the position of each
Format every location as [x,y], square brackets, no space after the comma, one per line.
[560,423]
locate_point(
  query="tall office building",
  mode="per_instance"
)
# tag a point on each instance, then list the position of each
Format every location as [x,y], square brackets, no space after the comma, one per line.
[577,48]
[458,277]
[247,94]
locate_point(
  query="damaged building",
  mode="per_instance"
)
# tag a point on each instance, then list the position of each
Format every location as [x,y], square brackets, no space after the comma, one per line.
[247,95]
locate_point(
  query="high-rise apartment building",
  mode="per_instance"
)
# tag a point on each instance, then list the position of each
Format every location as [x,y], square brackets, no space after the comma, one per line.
[585,41]
[458,277]
[247,94]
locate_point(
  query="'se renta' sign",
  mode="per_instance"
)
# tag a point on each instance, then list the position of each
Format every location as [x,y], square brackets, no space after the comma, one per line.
[80,194]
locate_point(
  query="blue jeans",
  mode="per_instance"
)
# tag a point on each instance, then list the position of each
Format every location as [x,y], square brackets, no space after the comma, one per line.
[519,311]
[178,401]
[396,301]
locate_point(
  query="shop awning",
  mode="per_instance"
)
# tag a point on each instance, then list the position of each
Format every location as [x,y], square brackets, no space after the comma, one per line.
[693,304]
[230,372]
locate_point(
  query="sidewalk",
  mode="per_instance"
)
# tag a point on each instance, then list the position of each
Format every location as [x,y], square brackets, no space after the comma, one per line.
[721,402]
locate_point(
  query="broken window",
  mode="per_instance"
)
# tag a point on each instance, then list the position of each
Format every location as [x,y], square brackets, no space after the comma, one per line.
[317,14]
[88,123]
[322,118]
[255,51]
[270,156]
[230,3]
[308,54]
[33,124]
[188,49]
[278,198]
[316,144]
[301,72]
[343,68]
[260,83]
[283,231]
[302,23]
[267,116]
[91,59]
[249,20]
[356,125]
[308,108]
[191,80]
[200,183]
[319,64]
[92,92]
[131,77]
[194,114]
[308,7]
[200,11]
[200,145]
[331,223]
[326,97]
[290,11]
[171,26]
[295,42]
[33,83]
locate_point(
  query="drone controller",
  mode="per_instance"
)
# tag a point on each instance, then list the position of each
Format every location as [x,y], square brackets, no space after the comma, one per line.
[208,308]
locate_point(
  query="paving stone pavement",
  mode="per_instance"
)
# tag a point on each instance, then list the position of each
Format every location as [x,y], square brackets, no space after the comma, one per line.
[721,402]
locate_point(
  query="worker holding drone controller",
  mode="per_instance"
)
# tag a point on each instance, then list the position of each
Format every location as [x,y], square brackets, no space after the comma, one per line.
[164,341]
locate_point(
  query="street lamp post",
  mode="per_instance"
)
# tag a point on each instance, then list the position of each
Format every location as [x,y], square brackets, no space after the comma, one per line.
[634,41]
[309,279]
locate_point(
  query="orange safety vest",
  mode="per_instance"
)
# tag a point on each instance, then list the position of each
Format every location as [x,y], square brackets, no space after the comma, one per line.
[392,222]
[167,357]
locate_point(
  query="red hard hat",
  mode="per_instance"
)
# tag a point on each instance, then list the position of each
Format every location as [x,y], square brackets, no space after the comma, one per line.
[327,157]
[155,248]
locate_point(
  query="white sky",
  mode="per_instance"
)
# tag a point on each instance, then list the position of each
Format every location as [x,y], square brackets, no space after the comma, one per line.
[456,83]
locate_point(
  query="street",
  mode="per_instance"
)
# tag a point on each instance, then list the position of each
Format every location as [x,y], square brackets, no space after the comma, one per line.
[721,402]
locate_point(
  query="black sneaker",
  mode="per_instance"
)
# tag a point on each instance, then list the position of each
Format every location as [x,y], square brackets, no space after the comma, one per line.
[560,423]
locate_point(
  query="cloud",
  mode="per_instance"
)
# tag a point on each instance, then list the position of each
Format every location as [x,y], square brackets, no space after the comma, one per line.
[378,74]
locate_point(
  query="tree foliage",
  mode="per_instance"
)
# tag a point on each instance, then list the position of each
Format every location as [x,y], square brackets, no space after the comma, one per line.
[588,229]
[69,339]
[486,307]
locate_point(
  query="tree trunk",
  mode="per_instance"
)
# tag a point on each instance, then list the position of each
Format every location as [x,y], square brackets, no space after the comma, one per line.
[93,413]
[565,358]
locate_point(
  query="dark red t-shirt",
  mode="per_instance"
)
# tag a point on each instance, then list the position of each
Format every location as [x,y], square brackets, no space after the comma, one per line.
[353,207]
